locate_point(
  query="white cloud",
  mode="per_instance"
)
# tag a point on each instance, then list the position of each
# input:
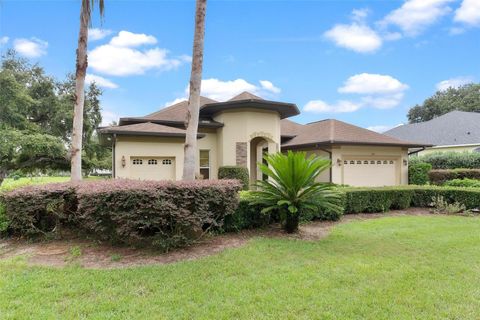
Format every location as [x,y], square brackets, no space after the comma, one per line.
[4,40]
[320,106]
[383,101]
[98,34]
[130,39]
[360,15]
[368,83]
[267,85]
[108,117]
[175,101]
[119,58]
[454,83]
[382,128]
[414,16]
[356,37]
[100,81]
[30,48]
[469,12]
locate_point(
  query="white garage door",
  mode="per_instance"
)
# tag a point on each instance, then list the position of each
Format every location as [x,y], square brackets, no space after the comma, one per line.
[152,168]
[364,172]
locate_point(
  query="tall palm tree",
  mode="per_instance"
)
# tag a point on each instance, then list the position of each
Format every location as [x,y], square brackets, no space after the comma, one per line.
[80,73]
[191,120]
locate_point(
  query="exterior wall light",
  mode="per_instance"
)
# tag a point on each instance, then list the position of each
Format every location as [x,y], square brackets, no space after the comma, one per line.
[405,162]
[339,162]
[124,163]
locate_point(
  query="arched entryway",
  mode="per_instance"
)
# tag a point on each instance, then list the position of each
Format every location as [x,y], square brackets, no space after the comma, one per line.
[259,146]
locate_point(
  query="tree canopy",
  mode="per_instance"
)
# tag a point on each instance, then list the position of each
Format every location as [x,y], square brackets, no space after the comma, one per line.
[464,98]
[36,119]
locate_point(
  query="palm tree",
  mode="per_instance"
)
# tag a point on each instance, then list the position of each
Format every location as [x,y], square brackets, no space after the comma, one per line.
[291,188]
[191,120]
[80,73]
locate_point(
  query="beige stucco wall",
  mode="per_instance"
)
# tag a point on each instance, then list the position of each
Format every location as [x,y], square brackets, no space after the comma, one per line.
[345,152]
[468,148]
[243,126]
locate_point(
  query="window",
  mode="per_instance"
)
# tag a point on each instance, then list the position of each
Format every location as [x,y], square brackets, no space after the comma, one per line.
[391,161]
[152,161]
[137,161]
[372,161]
[365,162]
[345,162]
[205,164]
[166,161]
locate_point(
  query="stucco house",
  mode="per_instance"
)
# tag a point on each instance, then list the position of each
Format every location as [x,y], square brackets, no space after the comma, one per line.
[239,131]
[457,131]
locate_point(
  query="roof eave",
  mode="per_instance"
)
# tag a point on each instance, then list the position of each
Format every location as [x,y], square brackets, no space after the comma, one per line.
[290,109]
[145,133]
[333,142]
[133,120]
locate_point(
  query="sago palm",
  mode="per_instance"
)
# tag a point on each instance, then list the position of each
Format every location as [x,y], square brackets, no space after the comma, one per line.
[291,187]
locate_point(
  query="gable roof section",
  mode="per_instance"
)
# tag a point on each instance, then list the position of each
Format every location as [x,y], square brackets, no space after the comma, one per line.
[453,128]
[245,96]
[145,129]
[289,128]
[337,132]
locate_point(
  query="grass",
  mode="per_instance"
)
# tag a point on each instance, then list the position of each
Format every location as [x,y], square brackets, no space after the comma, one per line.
[10,184]
[415,267]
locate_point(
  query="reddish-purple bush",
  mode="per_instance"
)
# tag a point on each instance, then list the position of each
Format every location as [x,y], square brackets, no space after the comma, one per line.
[164,214]
[36,210]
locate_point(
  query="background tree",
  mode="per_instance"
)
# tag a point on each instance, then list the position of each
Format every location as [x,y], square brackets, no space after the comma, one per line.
[80,73]
[464,98]
[191,121]
[36,120]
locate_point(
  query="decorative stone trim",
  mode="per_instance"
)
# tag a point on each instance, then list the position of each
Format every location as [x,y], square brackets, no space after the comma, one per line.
[241,154]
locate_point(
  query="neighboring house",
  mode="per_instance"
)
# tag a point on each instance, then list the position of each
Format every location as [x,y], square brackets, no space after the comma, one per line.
[240,130]
[454,131]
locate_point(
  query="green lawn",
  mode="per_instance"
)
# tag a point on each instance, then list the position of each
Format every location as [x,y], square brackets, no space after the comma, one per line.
[412,267]
[10,184]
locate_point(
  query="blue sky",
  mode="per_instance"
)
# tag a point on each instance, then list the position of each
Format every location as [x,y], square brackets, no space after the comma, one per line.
[364,62]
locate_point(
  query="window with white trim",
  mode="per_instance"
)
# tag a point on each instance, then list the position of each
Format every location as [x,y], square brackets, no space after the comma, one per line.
[205,164]
[137,161]
[152,161]
[166,161]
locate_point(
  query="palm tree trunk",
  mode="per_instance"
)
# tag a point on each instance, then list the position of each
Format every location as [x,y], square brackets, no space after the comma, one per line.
[81,71]
[191,121]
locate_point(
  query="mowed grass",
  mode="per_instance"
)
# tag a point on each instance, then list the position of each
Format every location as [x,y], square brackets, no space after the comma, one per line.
[10,184]
[410,267]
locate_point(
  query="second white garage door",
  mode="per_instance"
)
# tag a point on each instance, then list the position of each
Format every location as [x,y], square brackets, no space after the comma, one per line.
[152,168]
[364,172]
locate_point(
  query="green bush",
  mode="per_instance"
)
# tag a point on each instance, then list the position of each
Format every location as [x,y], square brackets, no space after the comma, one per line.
[235,172]
[383,199]
[4,222]
[468,183]
[439,177]
[418,173]
[452,160]
[248,216]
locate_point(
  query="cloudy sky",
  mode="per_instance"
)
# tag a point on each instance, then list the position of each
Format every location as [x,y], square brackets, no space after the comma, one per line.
[364,62]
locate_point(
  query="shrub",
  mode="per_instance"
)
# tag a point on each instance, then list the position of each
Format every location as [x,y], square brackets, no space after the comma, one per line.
[291,189]
[383,199]
[235,172]
[468,183]
[452,160]
[161,214]
[248,215]
[41,209]
[4,222]
[439,177]
[440,206]
[418,173]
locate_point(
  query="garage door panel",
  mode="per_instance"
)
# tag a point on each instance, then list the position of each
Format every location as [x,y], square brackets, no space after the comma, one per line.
[152,168]
[369,172]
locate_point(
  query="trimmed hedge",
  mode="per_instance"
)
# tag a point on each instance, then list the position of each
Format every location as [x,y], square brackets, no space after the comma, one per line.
[235,172]
[439,177]
[160,214]
[451,160]
[383,199]
[418,173]
[468,183]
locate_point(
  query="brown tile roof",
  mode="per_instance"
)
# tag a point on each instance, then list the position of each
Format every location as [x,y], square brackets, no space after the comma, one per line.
[337,132]
[145,128]
[176,112]
[245,96]
[289,128]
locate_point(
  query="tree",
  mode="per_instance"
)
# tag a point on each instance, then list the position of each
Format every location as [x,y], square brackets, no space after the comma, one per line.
[80,73]
[464,98]
[191,121]
[291,188]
